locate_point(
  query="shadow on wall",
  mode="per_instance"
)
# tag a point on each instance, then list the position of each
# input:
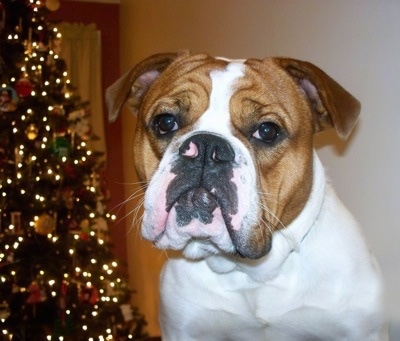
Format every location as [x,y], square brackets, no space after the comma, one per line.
[330,138]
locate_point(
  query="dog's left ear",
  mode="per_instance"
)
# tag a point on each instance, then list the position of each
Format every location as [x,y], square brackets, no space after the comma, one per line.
[332,105]
[134,84]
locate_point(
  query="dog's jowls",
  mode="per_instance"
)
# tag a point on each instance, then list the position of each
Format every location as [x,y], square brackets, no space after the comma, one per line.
[269,252]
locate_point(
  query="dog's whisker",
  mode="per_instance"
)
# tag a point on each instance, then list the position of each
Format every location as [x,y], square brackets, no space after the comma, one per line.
[268,224]
[136,194]
[136,219]
[267,194]
[272,214]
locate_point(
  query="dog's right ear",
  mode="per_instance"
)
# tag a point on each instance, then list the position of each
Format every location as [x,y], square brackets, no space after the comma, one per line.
[134,84]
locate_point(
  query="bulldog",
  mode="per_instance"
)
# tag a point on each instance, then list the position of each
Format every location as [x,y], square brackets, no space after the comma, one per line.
[268,252]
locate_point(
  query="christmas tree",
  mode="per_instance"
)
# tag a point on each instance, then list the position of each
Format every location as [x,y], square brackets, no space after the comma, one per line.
[58,278]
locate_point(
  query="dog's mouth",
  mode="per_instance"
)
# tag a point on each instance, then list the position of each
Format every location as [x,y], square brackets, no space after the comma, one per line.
[197,203]
[196,214]
[200,220]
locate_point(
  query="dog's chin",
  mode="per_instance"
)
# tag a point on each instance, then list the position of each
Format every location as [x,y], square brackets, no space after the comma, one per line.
[200,249]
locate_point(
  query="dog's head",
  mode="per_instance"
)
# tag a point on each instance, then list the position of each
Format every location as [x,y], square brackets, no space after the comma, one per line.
[226,146]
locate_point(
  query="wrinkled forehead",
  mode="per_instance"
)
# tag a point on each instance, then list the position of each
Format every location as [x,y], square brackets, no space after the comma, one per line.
[199,82]
[211,72]
[192,79]
[193,67]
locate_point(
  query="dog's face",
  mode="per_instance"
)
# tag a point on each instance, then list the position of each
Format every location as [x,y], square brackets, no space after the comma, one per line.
[227,146]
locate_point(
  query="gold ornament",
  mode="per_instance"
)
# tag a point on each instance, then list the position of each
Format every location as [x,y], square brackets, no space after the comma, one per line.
[31,132]
[52,5]
[84,225]
[45,224]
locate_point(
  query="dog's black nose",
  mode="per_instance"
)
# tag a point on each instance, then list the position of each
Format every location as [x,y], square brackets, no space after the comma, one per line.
[206,148]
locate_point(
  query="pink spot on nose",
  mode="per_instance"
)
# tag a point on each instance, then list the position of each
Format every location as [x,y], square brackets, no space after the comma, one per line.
[192,151]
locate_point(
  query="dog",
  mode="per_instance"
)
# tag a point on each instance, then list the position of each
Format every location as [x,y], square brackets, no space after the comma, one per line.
[268,250]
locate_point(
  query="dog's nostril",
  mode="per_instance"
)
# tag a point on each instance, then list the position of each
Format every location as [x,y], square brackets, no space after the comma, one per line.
[223,154]
[207,147]
[189,150]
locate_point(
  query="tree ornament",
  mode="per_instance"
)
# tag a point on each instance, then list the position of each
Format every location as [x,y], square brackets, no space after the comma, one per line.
[101,228]
[15,221]
[31,132]
[70,171]
[56,45]
[36,295]
[68,197]
[4,311]
[8,99]
[73,225]
[89,294]
[79,124]
[23,87]
[52,5]
[85,230]
[127,312]
[45,224]
[61,146]
[57,110]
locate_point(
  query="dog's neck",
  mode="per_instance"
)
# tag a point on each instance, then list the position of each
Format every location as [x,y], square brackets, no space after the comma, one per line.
[284,242]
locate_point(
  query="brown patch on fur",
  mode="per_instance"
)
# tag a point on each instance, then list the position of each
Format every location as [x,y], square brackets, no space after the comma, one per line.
[267,93]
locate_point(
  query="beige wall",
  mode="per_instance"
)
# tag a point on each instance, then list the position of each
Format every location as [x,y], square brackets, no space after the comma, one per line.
[357,42]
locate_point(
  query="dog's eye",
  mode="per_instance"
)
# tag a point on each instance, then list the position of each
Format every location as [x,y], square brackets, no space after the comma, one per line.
[165,123]
[267,132]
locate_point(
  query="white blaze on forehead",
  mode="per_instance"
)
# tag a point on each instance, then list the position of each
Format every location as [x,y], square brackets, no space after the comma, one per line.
[217,117]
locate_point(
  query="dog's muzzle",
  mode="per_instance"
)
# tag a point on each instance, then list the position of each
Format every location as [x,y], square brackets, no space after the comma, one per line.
[203,195]
[204,171]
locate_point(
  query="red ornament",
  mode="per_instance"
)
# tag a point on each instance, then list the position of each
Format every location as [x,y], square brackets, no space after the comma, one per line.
[35,294]
[23,87]
[70,171]
[89,294]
